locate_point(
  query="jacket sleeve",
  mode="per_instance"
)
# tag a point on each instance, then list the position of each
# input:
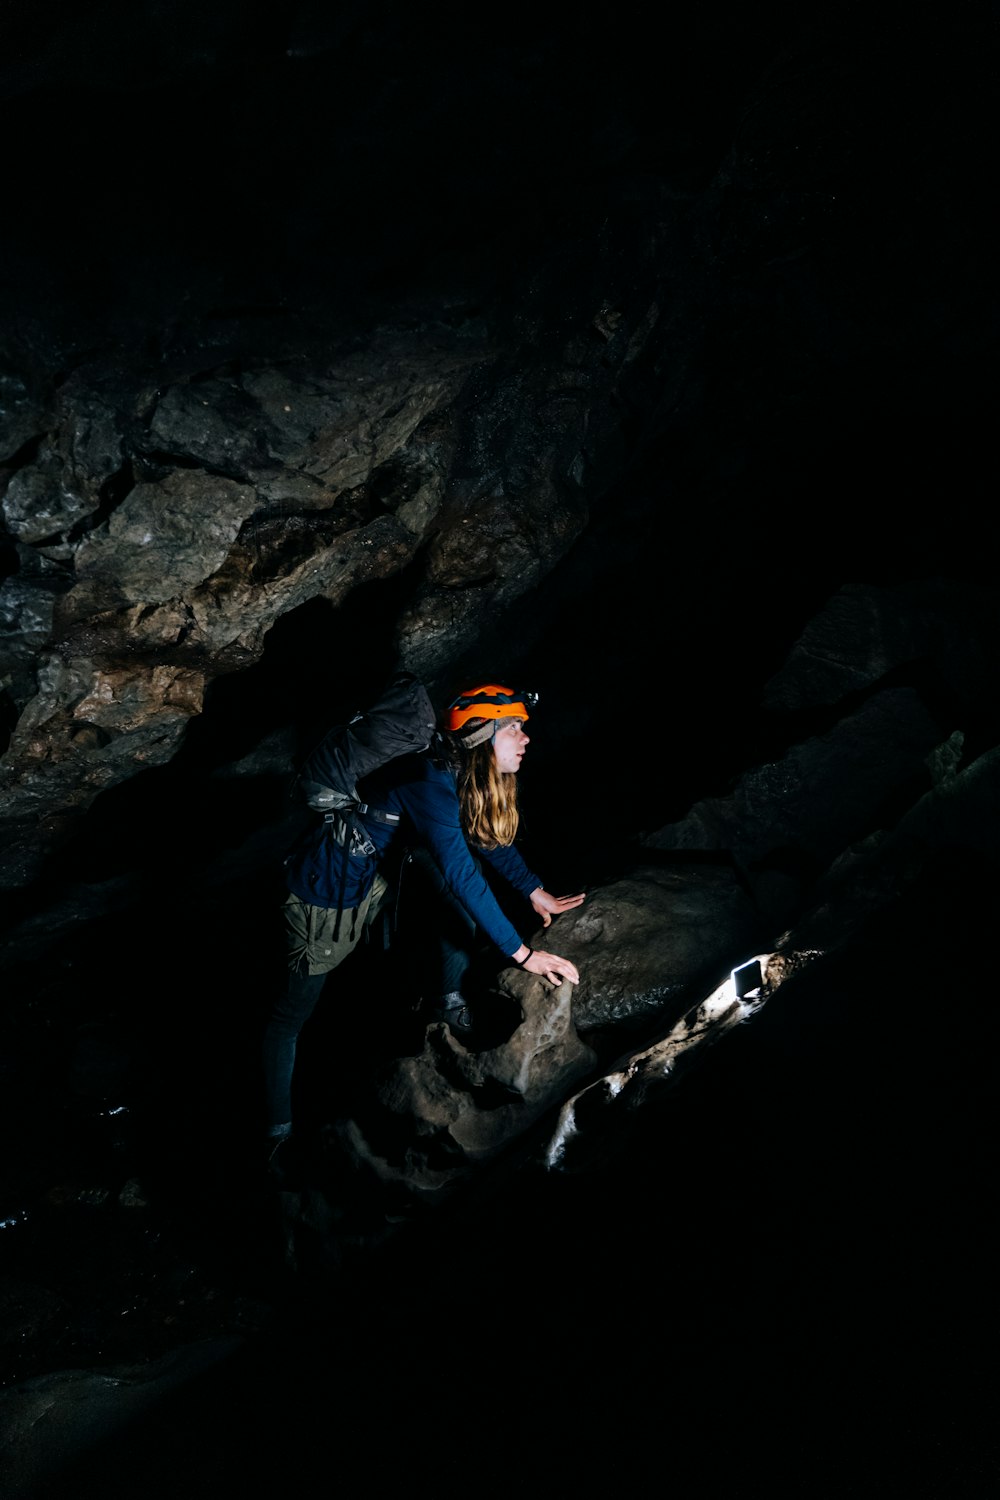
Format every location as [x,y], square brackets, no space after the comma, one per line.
[509,863]
[431,806]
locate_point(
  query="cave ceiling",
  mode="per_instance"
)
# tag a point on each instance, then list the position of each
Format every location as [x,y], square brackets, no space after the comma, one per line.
[335,339]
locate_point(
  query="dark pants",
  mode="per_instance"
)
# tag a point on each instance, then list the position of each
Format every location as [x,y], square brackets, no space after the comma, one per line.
[314,951]
[425,908]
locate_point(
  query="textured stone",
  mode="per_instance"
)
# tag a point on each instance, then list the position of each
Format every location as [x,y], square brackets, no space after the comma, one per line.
[788,818]
[166,537]
[433,1117]
[643,942]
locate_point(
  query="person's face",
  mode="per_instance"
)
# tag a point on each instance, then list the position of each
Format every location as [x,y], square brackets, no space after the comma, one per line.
[509,744]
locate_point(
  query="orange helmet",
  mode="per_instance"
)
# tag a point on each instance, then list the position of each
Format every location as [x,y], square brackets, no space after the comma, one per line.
[491,701]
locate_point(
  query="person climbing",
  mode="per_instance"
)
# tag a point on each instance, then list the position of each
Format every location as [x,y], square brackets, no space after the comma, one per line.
[453,808]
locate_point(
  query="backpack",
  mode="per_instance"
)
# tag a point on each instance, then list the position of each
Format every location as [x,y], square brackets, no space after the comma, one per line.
[400,722]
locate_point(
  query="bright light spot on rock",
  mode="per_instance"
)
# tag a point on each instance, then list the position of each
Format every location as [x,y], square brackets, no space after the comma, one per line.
[747,978]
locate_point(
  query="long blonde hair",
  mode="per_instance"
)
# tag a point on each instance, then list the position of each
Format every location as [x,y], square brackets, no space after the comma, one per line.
[487,797]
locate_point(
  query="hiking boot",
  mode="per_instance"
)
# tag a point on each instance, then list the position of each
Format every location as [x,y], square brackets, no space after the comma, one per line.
[454,1010]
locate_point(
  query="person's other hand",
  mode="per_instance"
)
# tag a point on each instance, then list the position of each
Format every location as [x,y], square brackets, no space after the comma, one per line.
[548,906]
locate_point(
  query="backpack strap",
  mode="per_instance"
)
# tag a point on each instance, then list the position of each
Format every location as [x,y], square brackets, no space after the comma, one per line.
[379,814]
[351,832]
[347,816]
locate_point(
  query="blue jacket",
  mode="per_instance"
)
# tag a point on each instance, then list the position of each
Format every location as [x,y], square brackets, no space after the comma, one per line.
[421,789]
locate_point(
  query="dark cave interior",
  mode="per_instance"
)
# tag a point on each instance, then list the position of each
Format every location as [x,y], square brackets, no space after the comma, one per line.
[704,1309]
